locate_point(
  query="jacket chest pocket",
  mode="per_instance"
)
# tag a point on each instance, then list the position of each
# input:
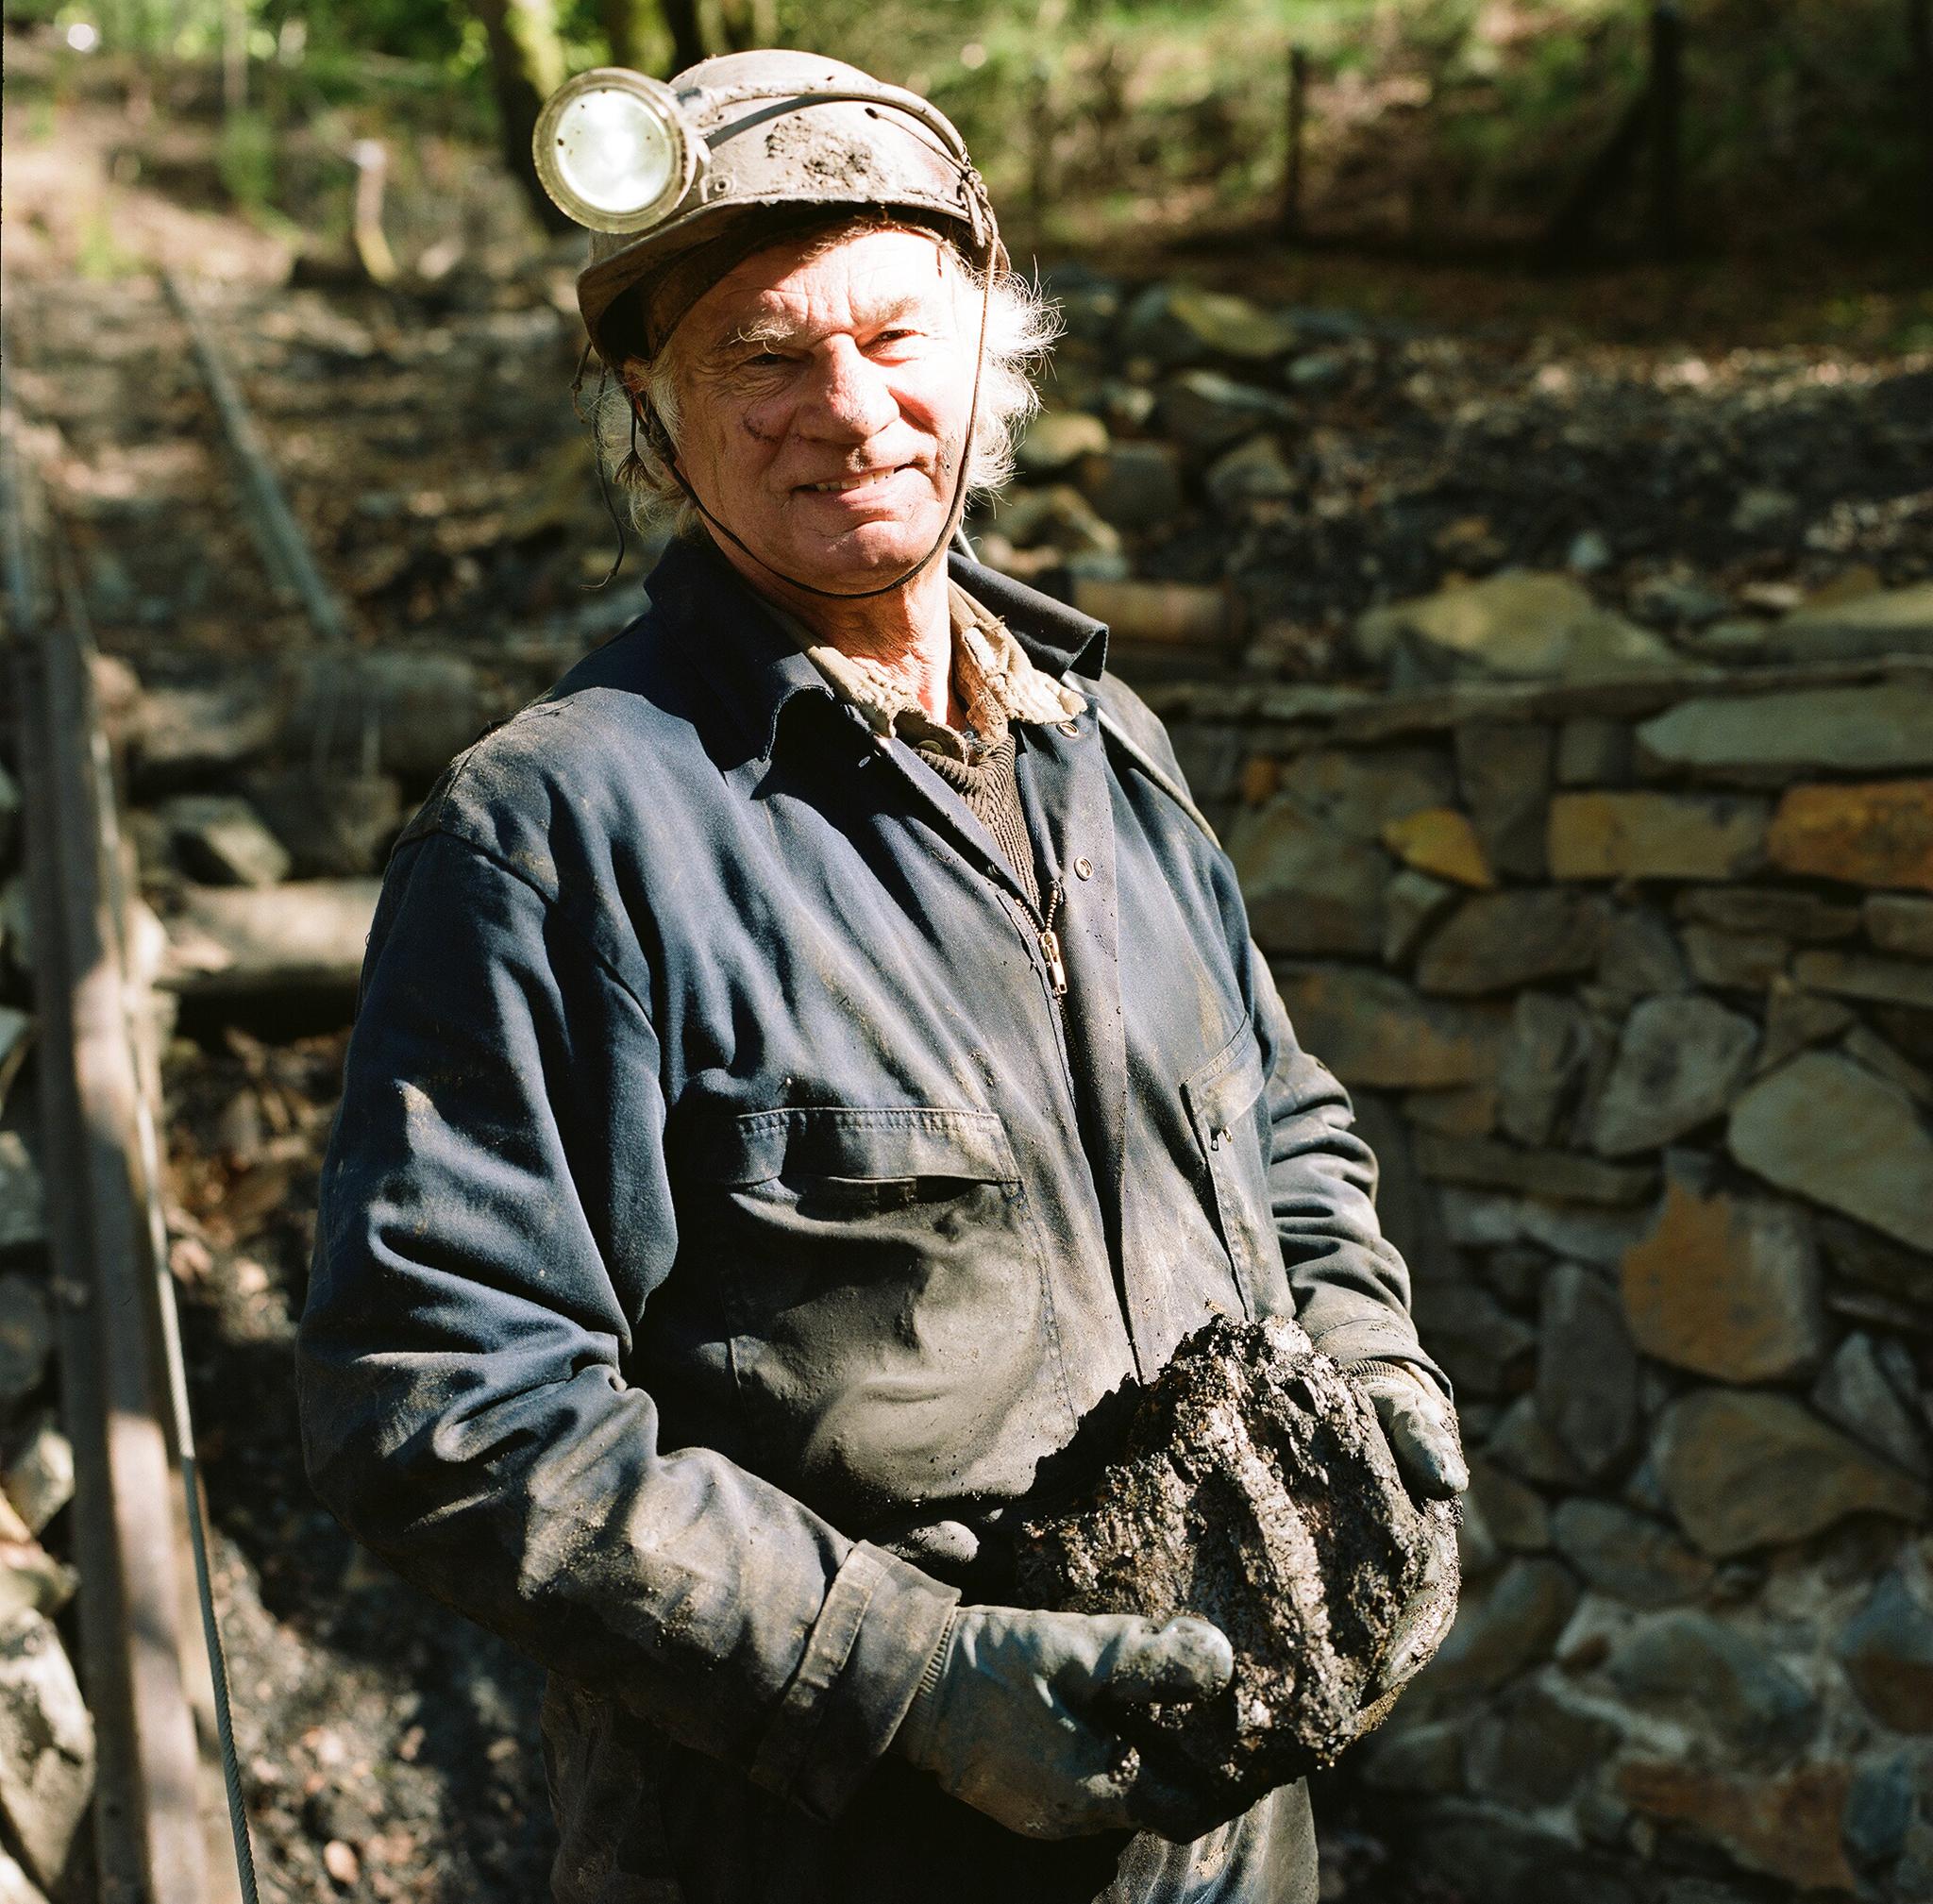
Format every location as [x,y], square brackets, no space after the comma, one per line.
[1222,1098]
[892,1328]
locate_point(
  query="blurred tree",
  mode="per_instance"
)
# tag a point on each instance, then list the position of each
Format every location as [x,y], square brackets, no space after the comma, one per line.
[525,66]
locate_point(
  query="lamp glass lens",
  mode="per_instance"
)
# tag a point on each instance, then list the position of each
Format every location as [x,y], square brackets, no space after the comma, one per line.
[614,151]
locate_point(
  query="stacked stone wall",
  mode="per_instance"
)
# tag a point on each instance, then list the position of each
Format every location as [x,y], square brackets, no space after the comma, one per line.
[1632,983]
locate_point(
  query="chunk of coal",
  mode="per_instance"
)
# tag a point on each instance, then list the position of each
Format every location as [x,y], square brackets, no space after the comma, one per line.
[1255,1490]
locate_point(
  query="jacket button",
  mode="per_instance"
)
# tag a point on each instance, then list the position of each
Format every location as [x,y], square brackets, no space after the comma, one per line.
[1083,868]
[1069,729]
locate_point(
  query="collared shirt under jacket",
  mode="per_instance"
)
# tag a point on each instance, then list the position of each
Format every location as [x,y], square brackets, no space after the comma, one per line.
[727,1230]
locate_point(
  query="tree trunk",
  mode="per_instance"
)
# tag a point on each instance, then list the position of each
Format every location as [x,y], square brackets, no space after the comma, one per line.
[691,40]
[527,66]
[746,24]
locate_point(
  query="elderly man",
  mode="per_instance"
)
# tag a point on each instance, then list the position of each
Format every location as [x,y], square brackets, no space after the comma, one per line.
[806,1062]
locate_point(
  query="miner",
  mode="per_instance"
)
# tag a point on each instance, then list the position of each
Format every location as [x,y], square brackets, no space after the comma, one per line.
[806,1062]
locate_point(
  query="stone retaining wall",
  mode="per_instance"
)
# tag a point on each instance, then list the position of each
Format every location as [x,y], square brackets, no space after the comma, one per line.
[1632,981]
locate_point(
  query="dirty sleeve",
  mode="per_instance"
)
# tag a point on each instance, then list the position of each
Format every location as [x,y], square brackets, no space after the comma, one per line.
[495,1213]
[1349,1284]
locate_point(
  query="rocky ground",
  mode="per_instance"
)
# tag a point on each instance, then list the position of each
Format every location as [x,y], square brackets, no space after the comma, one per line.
[1263,478]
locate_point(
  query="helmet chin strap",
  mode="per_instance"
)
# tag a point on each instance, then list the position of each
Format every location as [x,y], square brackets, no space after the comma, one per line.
[655,428]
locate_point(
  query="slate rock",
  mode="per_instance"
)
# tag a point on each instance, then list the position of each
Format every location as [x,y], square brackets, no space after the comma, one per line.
[1498,941]
[1441,841]
[1847,730]
[26,1336]
[1896,1271]
[1308,890]
[1796,1019]
[1886,621]
[1135,487]
[1360,792]
[1254,471]
[1412,903]
[1254,1489]
[46,1746]
[221,838]
[1858,975]
[1879,1811]
[1872,1051]
[1899,924]
[1887,1650]
[1560,1175]
[38,1477]
[1868,1399]
[1587,1370]
[1522,1444]
[1508,1626]
[1641,958]
[335,823]
[1876,833]
[1786,1826]
[1679,1059]
[1487,1854]
[23,1202]
[1204,410]
[1710,1673]
[1537,1748]
[1743,1470]
[1178,324]
[1373,1029]
[1628,1555]
[1732,961]
[1656,835]
[1767,909]
[1469,1111]
[1545,1064]
[1513,1515]
[1517,625]
[1504,769]
[1058,439]
[1727,1286]
[1594,750]
[1828,1129]
[1415,1758]
[1480,1344]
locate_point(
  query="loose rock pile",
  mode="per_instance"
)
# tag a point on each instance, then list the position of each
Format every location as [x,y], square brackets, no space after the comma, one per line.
[46,1735]
[1255,1489]
[1630,972]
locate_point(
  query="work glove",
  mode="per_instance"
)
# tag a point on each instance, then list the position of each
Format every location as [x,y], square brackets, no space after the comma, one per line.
[1016,1713]
[1419,1425]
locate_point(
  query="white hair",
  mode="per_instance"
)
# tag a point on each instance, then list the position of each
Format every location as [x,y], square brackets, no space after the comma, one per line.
[1022,326]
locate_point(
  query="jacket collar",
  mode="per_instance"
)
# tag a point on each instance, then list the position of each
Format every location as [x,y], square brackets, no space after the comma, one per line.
[732,638]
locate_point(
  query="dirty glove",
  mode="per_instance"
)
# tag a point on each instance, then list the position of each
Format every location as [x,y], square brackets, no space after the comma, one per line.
[1419,1425]
[1014,1717]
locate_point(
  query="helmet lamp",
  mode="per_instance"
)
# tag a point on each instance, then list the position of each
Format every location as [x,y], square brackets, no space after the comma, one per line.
[613,150]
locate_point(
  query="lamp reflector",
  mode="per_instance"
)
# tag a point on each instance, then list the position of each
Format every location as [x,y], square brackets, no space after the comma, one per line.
[610,153]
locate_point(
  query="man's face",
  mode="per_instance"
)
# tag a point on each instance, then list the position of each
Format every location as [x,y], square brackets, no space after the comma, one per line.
[823,403]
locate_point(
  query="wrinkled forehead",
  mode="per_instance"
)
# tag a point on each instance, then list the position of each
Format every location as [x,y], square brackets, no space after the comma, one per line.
[859,281]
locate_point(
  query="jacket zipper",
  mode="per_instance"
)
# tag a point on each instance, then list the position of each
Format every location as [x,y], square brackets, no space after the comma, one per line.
[1050,941]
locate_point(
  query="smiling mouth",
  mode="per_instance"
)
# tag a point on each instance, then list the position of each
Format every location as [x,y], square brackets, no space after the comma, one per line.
[845,485]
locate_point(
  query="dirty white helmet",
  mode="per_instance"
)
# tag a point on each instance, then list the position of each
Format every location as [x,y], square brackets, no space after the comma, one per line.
[680,182]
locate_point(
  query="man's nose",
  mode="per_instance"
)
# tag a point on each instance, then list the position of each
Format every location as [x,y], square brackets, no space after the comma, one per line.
[848,398]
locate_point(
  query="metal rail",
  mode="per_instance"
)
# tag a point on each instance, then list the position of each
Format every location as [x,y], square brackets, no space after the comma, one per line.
[137,1495]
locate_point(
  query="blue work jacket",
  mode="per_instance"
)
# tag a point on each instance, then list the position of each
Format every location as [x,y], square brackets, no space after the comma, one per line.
[727,1229]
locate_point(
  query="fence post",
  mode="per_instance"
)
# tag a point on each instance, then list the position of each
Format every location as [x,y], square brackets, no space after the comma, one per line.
[1297,113]
[1667,85]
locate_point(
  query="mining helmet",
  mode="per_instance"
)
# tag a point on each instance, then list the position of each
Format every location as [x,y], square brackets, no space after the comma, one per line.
[680,182]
